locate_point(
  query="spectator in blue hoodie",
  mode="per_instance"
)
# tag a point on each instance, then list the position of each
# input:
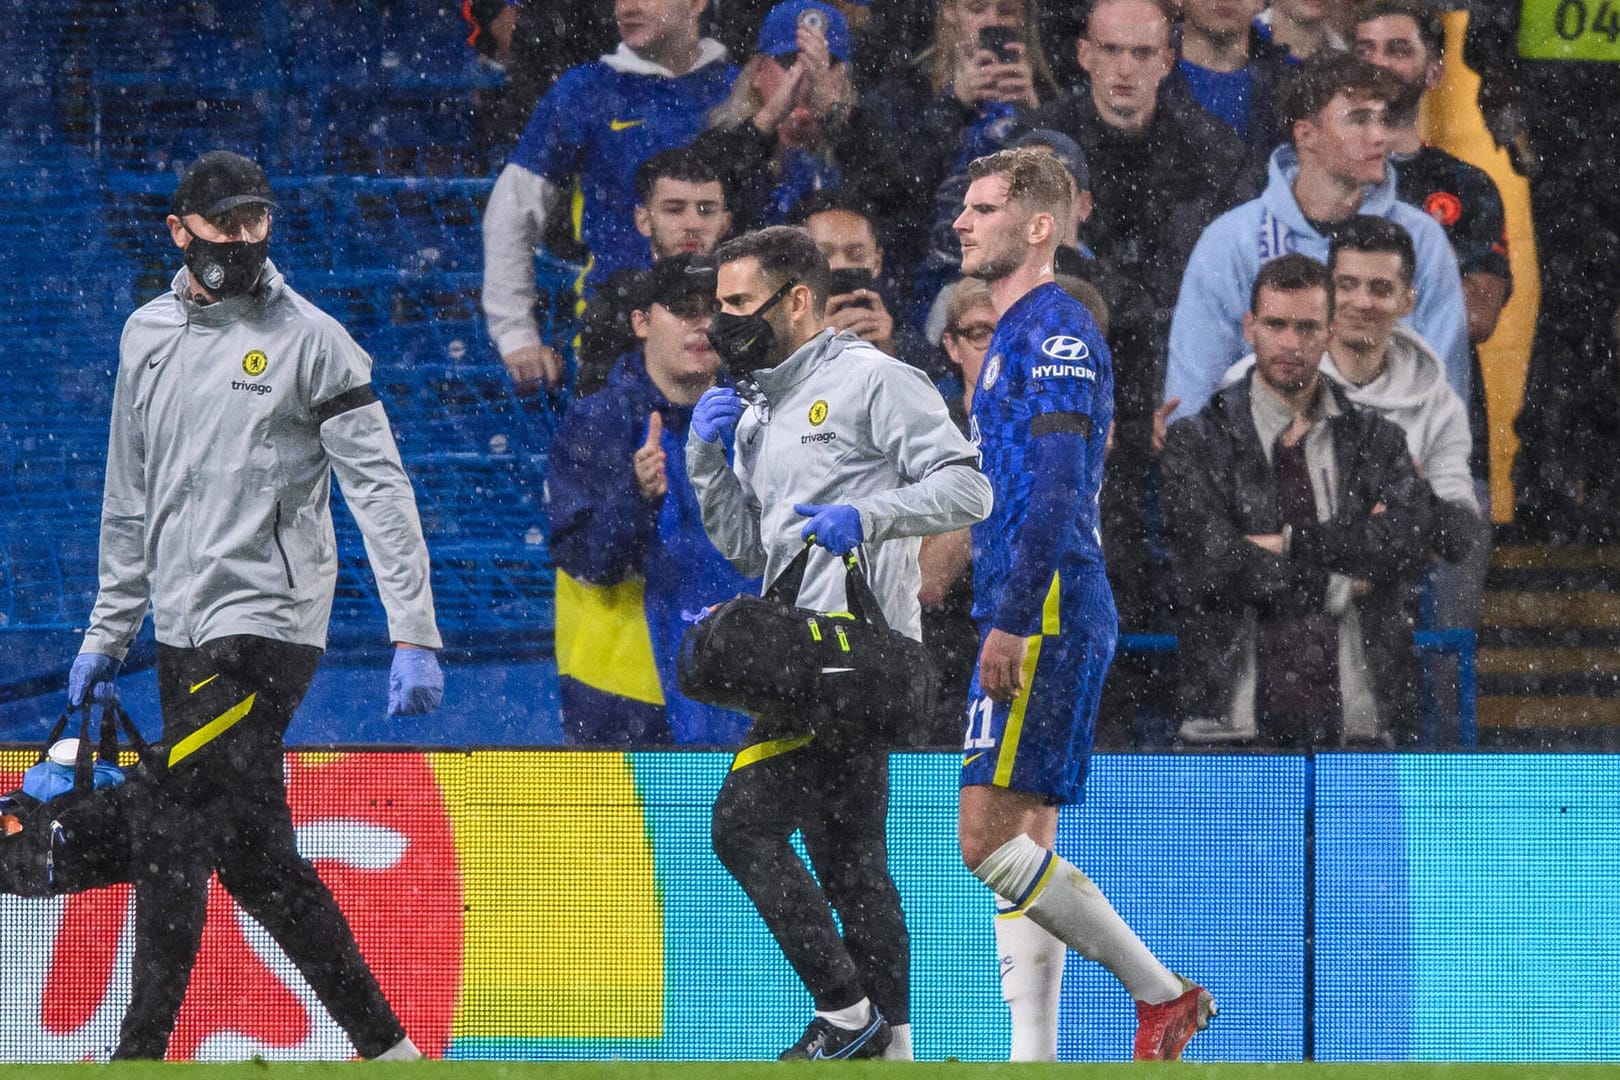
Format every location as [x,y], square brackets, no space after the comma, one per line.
[633,561]
[1334,167]
[586,138]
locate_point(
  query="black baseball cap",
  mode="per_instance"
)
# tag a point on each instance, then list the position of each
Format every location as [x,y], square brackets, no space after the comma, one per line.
[219,181]
[672,279]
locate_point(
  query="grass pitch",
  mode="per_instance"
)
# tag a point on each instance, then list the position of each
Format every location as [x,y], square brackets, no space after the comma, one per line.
[761,1070]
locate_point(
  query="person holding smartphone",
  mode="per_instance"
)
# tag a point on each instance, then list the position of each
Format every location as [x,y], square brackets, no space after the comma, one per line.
[963,95]
[794,124]
[846,229]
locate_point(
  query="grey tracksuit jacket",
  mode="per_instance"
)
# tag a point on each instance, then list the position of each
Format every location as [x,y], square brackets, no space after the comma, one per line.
[228,421]
[840,422]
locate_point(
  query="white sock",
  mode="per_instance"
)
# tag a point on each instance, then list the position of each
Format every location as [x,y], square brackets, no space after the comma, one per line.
[851,1018]
[404,1050]
[1057,897]
[1031,984]
[900,1048]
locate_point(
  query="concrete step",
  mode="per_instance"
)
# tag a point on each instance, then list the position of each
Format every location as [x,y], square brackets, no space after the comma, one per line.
[1549,643]
[1523,713]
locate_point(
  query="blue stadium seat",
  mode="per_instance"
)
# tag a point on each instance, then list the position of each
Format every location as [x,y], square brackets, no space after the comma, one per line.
[104,103]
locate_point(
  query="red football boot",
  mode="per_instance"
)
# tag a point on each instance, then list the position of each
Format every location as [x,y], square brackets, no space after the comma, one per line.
[1164,1030]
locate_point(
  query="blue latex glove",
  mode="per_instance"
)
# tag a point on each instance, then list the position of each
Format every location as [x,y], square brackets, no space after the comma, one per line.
[92,672]
[415,682]
[715,415]
[836,528]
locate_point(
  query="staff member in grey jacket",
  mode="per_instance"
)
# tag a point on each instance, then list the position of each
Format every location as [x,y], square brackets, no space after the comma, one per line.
[842,445]
[236,399]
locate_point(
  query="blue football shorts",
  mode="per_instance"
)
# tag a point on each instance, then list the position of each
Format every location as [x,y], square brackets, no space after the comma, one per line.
[1040,741]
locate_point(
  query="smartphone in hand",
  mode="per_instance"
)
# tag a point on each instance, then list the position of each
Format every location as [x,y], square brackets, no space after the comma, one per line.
[1003,41]
[848,279]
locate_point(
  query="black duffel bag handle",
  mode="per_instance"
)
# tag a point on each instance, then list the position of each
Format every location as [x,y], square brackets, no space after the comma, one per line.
[767,656]
[858,595]
[113,720]
[82,839]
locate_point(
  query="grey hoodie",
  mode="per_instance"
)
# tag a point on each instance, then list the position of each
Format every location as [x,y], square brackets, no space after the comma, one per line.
[840,421]
[228,421]
[1412,392]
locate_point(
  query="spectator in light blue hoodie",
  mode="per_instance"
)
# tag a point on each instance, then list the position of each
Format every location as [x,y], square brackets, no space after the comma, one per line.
[1334,168]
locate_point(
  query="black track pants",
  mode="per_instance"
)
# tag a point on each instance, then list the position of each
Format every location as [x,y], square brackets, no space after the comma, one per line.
[222,807]
[838,797]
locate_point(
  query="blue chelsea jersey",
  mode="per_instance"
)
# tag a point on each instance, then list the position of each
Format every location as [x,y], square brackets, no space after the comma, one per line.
[598,125]
[1047,356]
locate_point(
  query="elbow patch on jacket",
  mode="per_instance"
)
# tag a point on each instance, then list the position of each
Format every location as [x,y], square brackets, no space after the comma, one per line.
[348,401]
[1065,423]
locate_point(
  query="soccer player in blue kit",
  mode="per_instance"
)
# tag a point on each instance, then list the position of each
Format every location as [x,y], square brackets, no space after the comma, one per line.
[1041,414]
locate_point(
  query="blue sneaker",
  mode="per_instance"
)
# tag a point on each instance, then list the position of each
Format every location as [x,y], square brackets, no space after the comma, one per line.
[826,1041]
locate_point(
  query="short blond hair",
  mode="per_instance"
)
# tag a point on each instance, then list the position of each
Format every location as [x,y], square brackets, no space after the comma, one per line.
[1035,178]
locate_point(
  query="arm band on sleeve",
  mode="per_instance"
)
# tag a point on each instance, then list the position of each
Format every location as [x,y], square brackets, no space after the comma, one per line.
[1071,423]
[356,398]
[1059,467]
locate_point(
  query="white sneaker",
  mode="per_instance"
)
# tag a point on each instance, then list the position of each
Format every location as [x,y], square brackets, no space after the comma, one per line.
[404,1050]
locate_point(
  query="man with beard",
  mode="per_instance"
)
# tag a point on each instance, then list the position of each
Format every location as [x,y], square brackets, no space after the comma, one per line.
[682,208]
[1048,626]
[842,446]
[1298,529]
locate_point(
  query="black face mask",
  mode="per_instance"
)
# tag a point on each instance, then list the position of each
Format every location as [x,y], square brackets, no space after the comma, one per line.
[744,341]
[226,269]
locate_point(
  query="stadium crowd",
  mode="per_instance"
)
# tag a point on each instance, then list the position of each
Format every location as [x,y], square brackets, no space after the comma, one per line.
[867,300]
[1205,140]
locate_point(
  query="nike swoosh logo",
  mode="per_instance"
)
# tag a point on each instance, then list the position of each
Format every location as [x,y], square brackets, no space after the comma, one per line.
[835,670]
[972,759]
[624,125]
[154,363]
[198,686]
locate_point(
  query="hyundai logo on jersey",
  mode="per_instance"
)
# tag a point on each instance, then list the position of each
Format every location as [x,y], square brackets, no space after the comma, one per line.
[1063,347]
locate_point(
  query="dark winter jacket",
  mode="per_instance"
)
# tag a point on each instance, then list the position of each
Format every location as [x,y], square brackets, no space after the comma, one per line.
[1155,192]
[1219,488]
[941,133]
[1272,69]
